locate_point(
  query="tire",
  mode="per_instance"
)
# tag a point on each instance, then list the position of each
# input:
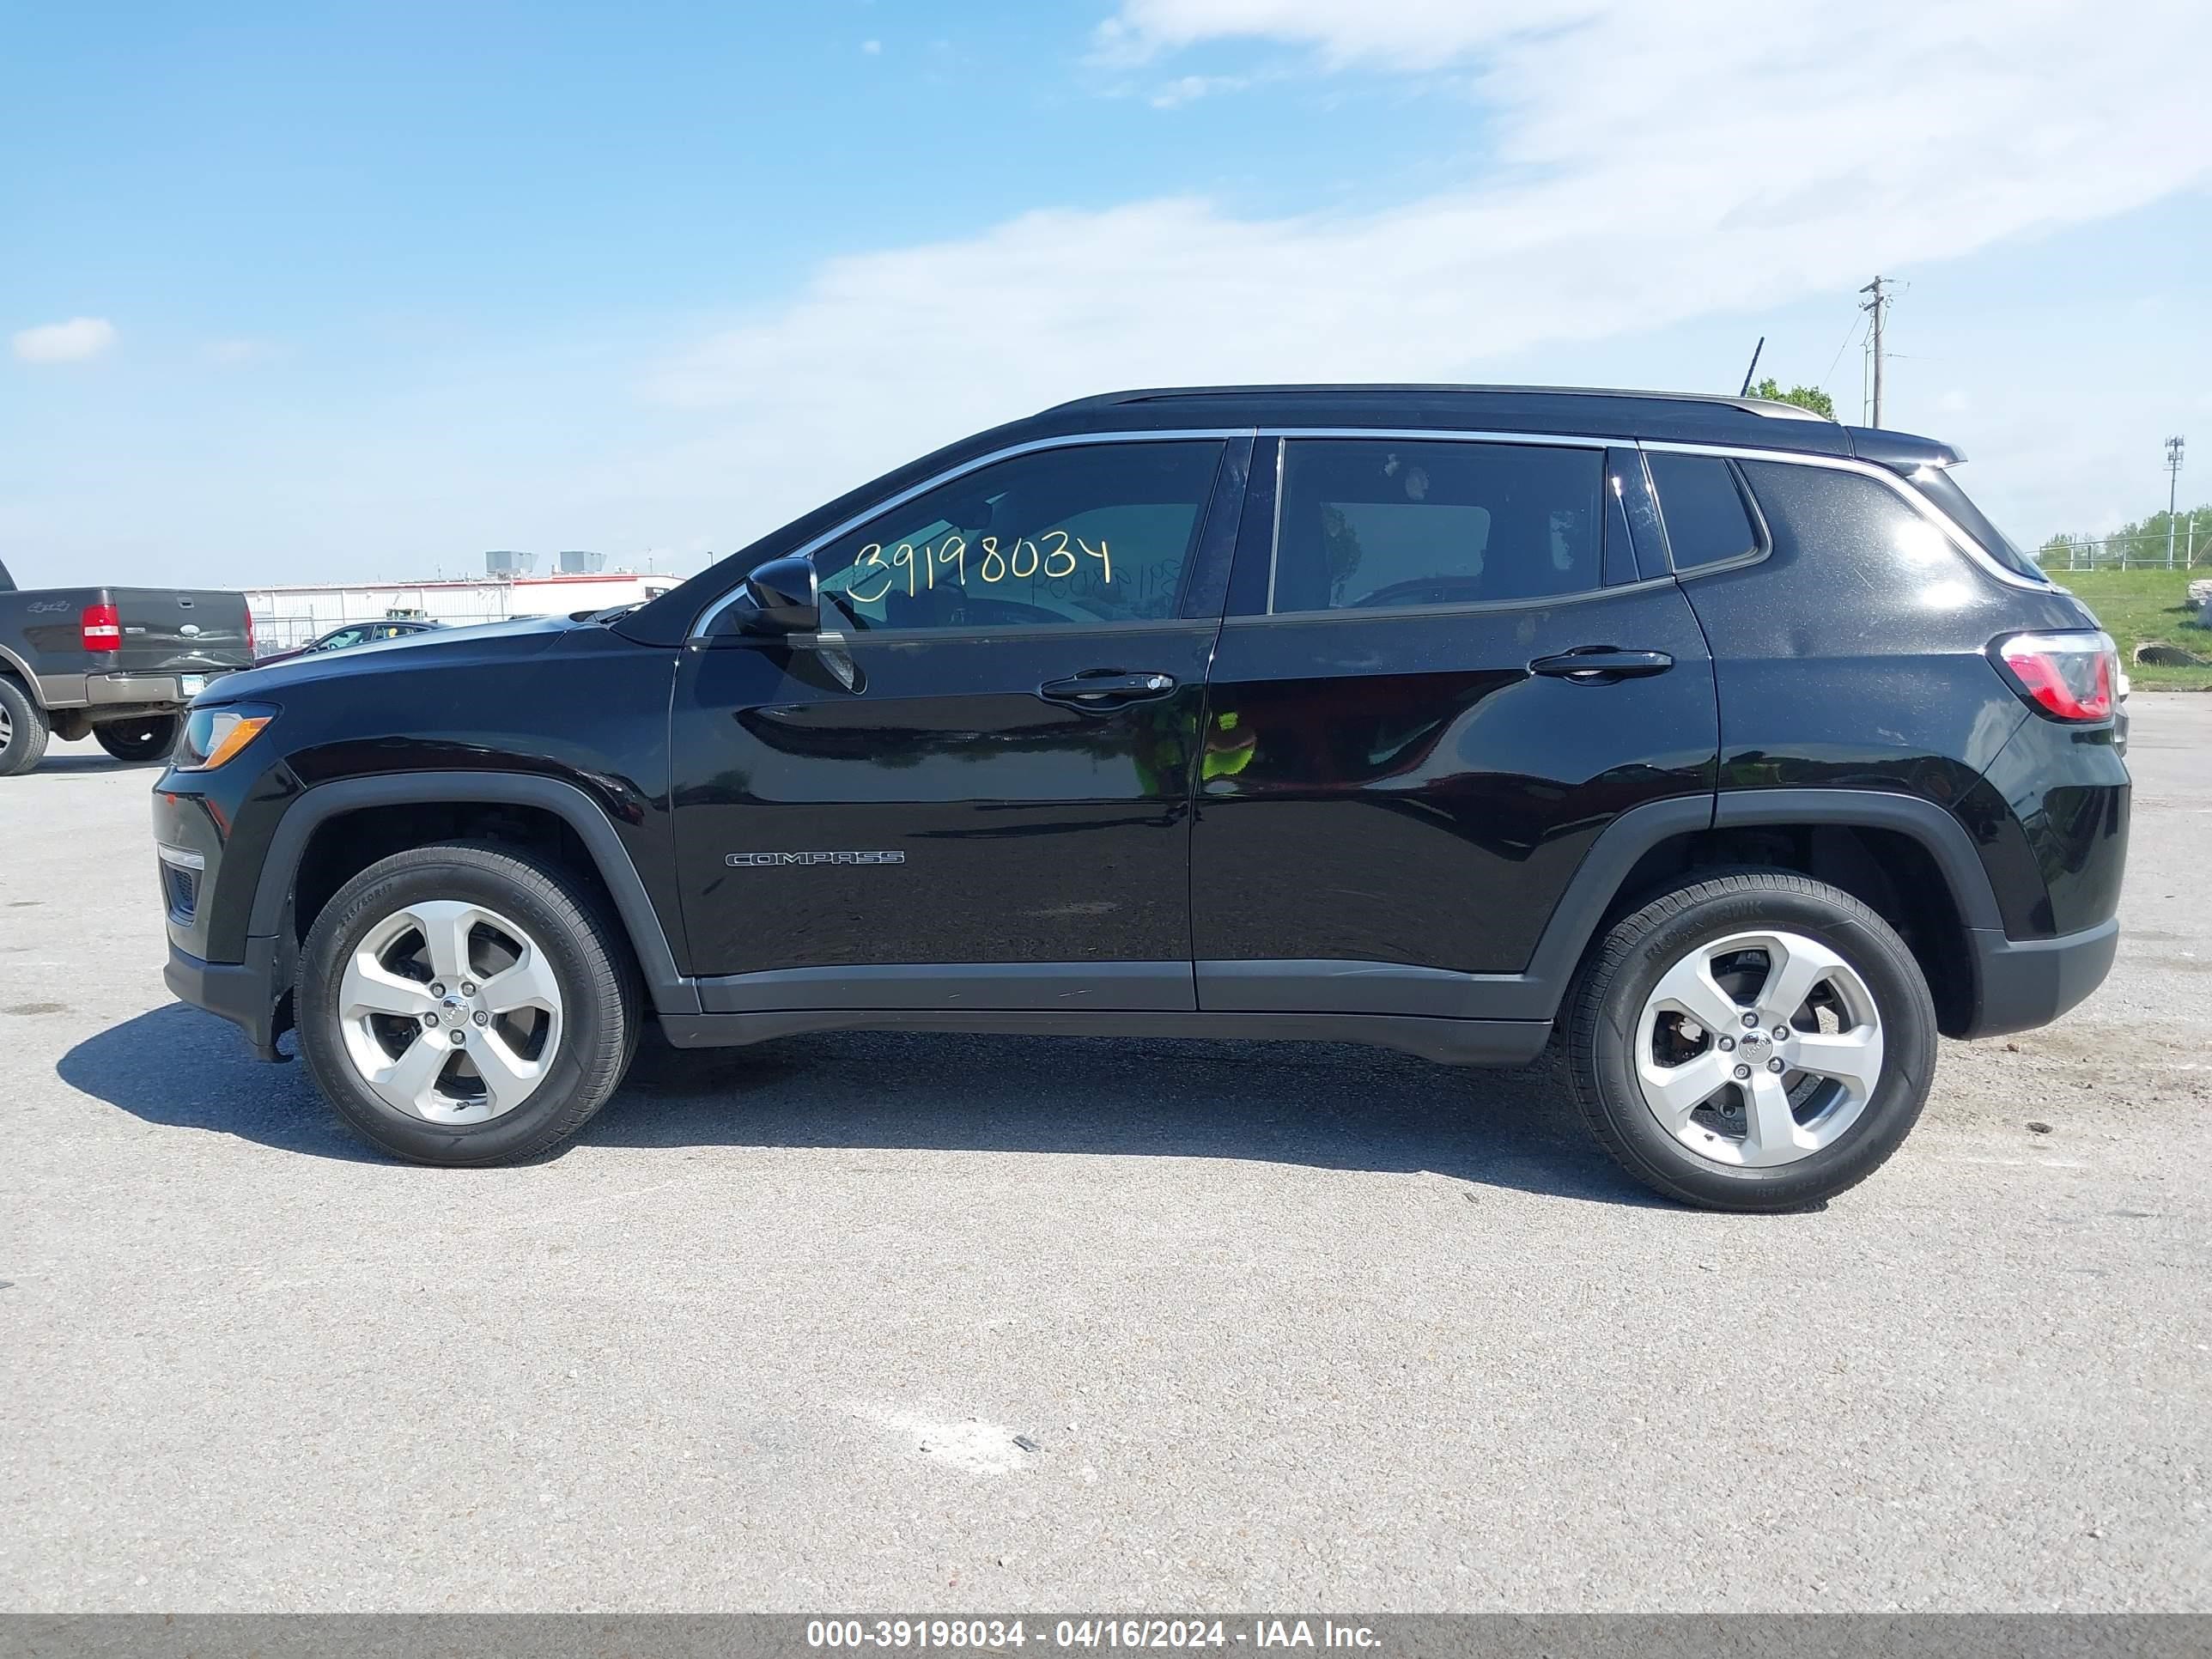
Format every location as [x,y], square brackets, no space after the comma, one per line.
[138,741]
[1639,1057]
[578,986]
[23,729]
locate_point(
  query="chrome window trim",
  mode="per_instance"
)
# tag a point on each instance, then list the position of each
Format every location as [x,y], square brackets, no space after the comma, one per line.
[703,628]
[1912,498]
[1421,434]
[850,639]
[1466,607]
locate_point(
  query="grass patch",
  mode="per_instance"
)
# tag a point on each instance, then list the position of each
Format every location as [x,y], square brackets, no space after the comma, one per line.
[2134,606]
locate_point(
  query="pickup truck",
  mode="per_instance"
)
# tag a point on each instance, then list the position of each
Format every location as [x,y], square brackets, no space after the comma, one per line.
[116,664]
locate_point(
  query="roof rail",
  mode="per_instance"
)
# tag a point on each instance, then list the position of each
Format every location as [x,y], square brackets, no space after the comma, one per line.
[1769,407]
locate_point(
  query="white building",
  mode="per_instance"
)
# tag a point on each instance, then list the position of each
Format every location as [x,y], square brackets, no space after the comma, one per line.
[284,617]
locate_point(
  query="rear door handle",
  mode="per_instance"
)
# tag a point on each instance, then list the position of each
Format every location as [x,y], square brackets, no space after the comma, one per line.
[1601,665]
[1098,688]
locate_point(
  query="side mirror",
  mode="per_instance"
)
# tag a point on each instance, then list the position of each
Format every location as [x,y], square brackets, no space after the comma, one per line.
[780,597]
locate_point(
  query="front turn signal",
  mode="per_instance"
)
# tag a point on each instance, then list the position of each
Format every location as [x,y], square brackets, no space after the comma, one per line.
[214,736]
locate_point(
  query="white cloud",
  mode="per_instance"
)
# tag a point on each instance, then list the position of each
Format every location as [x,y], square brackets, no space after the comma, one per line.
[1647,165]
[874,48]
[70,342]
[1402,33]
[237,353]
[1188,88]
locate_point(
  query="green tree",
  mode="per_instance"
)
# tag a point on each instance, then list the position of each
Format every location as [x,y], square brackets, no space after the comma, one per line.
[1805,396]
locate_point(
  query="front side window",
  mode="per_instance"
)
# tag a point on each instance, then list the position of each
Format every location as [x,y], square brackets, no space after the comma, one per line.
[1096,534]
[1372,524]
[341,640]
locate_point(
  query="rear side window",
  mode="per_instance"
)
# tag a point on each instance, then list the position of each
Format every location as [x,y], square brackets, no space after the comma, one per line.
[1707,521]
[1937,484]
[1370,523]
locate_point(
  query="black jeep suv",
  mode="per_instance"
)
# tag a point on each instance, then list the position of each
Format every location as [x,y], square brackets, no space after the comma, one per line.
[1732,745]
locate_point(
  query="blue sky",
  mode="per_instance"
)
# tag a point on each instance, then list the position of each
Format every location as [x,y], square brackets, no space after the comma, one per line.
[318,292]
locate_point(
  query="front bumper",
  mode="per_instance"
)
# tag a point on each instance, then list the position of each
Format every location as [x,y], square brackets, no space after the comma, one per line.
[2019,984]
[246,994]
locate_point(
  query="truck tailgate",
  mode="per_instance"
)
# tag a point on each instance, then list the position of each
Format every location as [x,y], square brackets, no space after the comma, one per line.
[169,630]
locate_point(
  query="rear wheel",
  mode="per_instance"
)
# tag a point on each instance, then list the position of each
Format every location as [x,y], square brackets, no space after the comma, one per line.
[138,740]
[1752,1041]
[458,1007]
[23,729]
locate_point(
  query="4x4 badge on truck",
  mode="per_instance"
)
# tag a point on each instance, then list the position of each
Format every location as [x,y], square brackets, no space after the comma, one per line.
[754,861]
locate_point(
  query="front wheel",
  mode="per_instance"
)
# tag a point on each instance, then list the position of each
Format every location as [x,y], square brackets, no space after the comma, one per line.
[138,741]
[1755,1041]
[458,1006]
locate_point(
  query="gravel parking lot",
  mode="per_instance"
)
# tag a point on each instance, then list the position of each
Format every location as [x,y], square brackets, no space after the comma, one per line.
[989,1323]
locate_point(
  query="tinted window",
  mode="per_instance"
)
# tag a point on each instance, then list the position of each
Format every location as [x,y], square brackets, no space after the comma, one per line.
[1939,487]
[1101,533]
[1704,512]
[1367,524]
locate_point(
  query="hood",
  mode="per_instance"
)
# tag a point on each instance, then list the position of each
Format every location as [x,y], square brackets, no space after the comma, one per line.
[488,642]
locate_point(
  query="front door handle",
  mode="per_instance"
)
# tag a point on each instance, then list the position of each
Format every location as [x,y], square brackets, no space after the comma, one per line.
[1601,665]
[1100,689]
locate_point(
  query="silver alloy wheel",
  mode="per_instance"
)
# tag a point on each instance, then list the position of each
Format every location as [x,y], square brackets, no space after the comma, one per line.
[7,728]
[1767,1067]
[450,1012]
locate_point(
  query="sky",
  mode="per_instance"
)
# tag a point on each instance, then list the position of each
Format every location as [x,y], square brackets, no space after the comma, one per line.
[332,292]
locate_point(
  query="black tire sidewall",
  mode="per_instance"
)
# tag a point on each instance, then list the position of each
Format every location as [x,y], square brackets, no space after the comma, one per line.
[594,1026]
[27,744]
[1864,941]
[156,748]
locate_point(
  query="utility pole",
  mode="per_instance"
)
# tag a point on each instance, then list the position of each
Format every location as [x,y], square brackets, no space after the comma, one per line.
[1877,304]
[2173,486]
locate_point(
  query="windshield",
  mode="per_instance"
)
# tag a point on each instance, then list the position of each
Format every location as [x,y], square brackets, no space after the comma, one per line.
[1937,484]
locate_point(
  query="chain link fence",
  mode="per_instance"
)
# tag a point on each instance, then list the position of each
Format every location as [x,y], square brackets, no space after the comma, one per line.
[2188,551]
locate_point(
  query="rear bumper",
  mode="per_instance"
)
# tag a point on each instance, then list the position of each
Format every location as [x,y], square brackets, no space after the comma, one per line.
[244,992]
[2023,983]
[137,691]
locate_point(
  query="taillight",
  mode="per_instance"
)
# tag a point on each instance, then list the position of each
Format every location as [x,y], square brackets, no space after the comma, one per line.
[2067,676]
[249,633]
[101,627]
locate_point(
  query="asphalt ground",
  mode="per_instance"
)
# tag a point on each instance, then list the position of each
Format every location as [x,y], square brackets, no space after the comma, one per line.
[983,1324]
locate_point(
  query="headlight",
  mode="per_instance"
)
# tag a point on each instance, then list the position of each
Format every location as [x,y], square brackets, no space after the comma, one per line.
[212,736]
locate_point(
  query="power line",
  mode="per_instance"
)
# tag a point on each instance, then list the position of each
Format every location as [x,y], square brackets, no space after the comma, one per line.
[1849,335]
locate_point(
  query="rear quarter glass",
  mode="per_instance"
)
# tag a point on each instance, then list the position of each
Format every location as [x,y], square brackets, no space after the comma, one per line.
[1944,492]
[1855,653]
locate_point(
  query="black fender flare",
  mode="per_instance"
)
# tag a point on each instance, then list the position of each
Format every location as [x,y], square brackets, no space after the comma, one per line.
[1941,834]
[1538,992]
[672,993]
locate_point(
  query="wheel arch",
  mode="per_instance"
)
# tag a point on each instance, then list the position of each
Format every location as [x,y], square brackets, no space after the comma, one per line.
[1905,857]
[322,813]
[15,667]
